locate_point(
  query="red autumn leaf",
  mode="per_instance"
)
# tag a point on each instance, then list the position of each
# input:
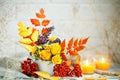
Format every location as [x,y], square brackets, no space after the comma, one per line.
[45,22]
[73,53]
[35,22]
[38,15]
[63,56]
[80,48]
[75,43]
[63,43]
[84,41]
[70,43]
[80,42]
[44,30]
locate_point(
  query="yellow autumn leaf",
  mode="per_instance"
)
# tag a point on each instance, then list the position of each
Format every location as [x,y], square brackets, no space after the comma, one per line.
[43,74]
[23,33]
[25,41]
[30,48]
[34,36]
[22,27]
[54,78]
[26,33]
[29,30]
[21,24]
[52,38]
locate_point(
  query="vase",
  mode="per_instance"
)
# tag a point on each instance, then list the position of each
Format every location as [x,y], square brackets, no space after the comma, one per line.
[45,66]
[75,59]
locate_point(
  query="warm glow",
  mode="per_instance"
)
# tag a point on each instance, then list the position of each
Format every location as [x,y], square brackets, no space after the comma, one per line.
[103,64]
[102,60]
[87,62]
[87,67]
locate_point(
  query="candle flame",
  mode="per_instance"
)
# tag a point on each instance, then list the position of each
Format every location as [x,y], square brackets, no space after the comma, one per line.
[102,60]
[87,62]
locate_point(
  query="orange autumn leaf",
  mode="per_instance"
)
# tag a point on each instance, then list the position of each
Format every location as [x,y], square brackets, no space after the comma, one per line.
[73,53]
[33,44]
[63,56]
[42,11]
[80,42]
[63,43]
[75,43]
[45,22]
[40,15]
[44,30]
[35,22]
[84,41]
[70,43]
[80,48]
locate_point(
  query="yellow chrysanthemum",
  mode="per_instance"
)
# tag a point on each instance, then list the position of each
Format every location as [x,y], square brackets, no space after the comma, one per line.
[47,47]
[52,38]
[45,55]
[56,48]
[56,59]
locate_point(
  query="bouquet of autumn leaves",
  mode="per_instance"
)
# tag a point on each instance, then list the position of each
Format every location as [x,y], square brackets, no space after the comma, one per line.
[41,45]
[38,42]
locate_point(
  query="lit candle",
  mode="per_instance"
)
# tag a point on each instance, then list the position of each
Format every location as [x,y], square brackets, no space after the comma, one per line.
[87,67]
[102,64]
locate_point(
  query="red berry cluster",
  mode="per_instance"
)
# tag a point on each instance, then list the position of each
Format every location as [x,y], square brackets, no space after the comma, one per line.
[63,70]
[29,67]
[76,71]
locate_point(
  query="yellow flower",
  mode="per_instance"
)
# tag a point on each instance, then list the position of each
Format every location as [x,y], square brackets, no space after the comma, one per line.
[55,48]
[56,59]
[47,47]
[52,38]
[45,55]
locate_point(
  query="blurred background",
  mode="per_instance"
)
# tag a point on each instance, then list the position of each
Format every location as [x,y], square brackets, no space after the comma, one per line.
[97,19]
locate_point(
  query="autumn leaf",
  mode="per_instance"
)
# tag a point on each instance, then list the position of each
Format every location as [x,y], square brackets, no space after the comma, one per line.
[70,43]
[44,30]
[63,43]
[35,22]
[73,53]
[45,22]
[63,56]
[38,15]
[80,48]
[43,74]
[75,43]
[80,42]
[84,41]
[42,11]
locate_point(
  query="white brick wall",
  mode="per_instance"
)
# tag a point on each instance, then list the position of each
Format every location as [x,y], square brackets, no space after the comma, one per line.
[98,19]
